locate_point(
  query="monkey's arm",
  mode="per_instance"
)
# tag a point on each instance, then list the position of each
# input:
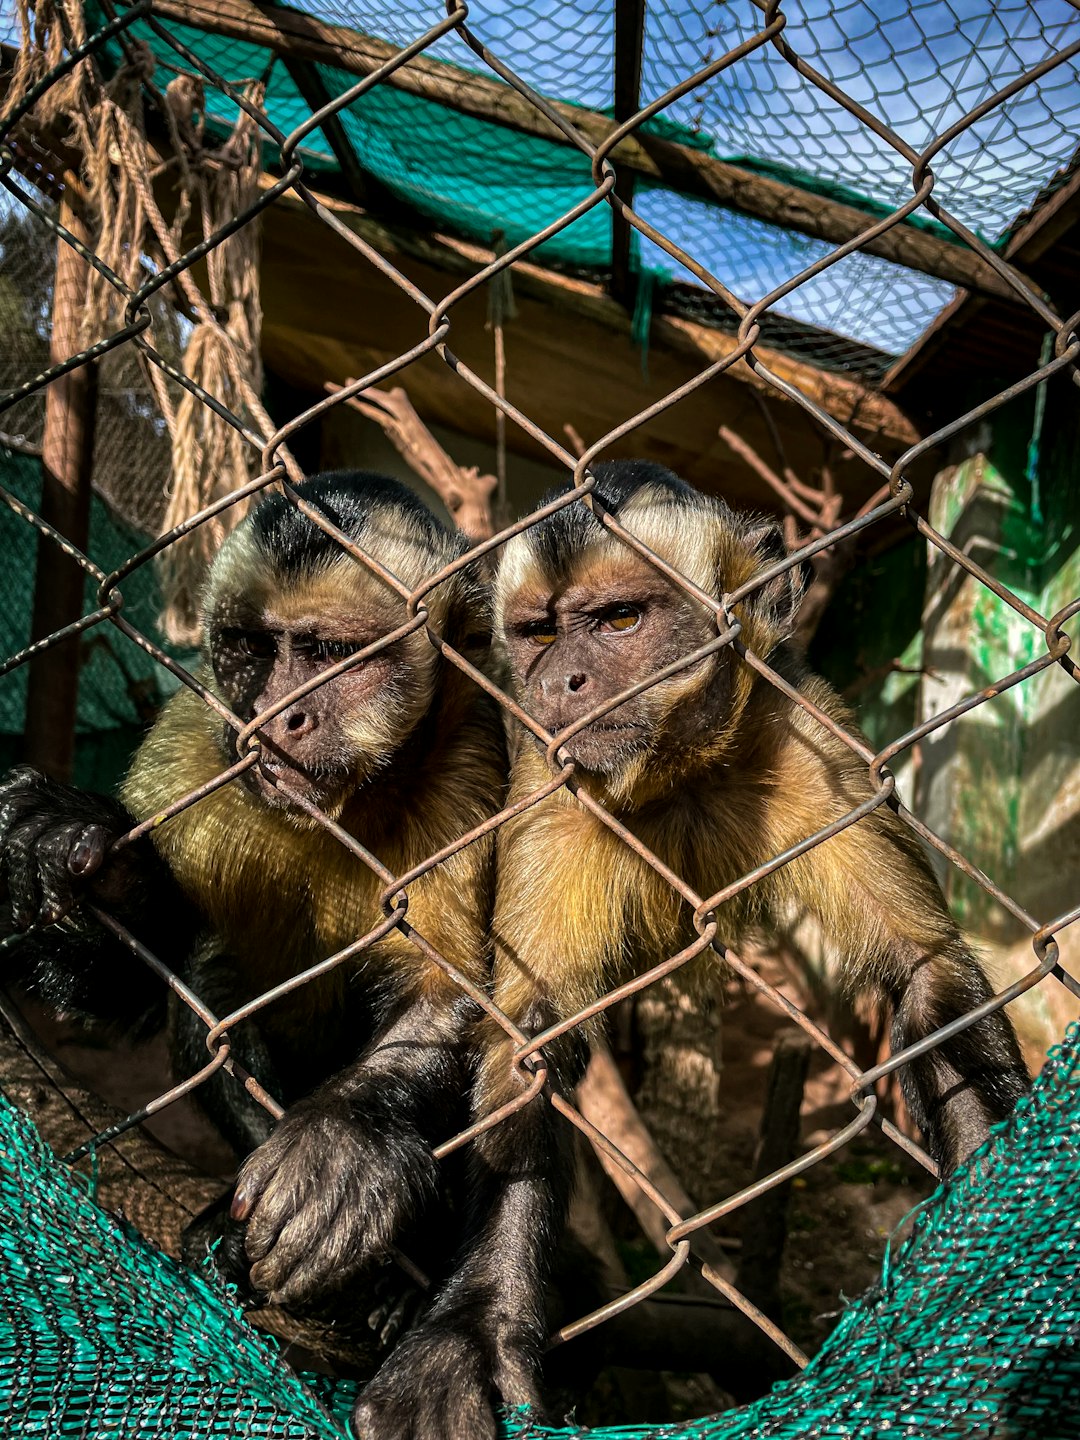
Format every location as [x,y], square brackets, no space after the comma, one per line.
[881,906]
[481,1340]
[350,1165]
[54,862]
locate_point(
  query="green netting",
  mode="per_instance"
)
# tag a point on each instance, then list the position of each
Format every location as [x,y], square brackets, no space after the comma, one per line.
[464,174]
[919,65]
[973,1331]
[120,685]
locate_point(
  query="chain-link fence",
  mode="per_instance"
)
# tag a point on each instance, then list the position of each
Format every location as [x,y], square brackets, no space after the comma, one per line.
[908,127]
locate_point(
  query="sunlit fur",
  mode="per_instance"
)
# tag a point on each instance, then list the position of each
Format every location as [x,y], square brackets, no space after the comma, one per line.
[337,583]
[716,772]
[577,908]
[276,886]
[241,890]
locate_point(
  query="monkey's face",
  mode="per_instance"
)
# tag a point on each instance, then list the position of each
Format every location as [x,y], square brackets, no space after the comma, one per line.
[326,742]
[575,644]
[582,618]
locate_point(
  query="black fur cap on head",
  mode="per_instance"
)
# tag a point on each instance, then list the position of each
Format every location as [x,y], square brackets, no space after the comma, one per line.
[348,499]
[571,528]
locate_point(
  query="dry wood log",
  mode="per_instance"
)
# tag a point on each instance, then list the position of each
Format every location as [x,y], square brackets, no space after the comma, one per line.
[67,456]
[603,1100]
[765,1218]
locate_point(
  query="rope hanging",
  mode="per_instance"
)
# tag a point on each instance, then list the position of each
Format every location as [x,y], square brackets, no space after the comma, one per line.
[209,457]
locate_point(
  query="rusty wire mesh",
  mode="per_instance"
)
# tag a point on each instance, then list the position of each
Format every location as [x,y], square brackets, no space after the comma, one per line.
[765,40]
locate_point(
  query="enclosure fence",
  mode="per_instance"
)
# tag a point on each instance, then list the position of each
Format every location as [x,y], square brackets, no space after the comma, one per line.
[139,292]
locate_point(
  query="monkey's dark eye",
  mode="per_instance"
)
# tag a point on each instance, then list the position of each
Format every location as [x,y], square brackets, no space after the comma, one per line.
[620,618]
[255,644]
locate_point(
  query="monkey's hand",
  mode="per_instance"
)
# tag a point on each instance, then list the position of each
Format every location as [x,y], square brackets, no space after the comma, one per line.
[54,841]
[444,1380]
[326,1194]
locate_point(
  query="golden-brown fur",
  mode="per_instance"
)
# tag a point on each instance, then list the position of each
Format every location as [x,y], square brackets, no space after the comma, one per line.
[245,888]
[716,772]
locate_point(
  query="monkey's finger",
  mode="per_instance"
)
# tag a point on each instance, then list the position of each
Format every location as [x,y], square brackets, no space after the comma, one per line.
[295,1237]
[256,1172]
[390,1320]
[20,790]
[338,1253]
[286,1194]
[307,1256]
[87,851]
[22,875]
[51,859]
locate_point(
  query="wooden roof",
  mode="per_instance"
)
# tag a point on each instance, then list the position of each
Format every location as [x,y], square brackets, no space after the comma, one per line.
[330,314]
[987,341]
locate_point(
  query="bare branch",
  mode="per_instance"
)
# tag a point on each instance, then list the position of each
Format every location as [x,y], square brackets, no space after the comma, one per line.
[878,496]
[577,444]
[877,673]
[603,1099]
[462,489]
[794,503]
[800,488]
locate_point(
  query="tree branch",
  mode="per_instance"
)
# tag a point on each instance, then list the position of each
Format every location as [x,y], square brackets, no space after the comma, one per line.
[820,509]
[603,1099]
[462,489]
[745,451]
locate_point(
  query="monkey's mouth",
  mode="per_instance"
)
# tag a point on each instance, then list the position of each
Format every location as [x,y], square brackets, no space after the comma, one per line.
[606,725]
[604,743]
[281,782]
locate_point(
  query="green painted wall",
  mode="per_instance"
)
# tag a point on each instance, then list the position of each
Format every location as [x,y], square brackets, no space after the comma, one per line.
[1003,783]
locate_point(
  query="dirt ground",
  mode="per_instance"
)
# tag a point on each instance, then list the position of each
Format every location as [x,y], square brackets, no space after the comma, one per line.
[842,1211]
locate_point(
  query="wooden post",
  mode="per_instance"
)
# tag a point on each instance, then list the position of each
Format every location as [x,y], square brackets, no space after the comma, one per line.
[67,459]
[765,1219]
[629,43]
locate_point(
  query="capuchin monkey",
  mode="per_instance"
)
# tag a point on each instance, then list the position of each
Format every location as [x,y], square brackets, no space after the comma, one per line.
[717,772]
[244,889]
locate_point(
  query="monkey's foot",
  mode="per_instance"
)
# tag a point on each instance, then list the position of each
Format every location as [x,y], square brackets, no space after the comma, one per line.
[396,1302]
[325,1195]
[444,1384]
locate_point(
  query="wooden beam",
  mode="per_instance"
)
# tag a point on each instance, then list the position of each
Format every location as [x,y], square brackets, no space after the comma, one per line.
[854,404]
[66,463]
[1047,225]
[366,189]
[629,44]
[309,82]
[1027,247]
[603,1100]
[693,172]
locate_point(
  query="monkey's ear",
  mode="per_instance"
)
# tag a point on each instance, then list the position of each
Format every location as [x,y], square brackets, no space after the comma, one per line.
[777,602]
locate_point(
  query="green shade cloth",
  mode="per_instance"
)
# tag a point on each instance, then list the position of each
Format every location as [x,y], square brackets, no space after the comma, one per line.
[972,1331]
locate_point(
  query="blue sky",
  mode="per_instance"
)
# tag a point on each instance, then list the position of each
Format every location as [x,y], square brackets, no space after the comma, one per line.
[918,66]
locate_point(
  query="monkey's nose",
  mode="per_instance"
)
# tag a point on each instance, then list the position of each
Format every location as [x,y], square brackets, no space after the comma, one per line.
[299,722]
[576,682]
